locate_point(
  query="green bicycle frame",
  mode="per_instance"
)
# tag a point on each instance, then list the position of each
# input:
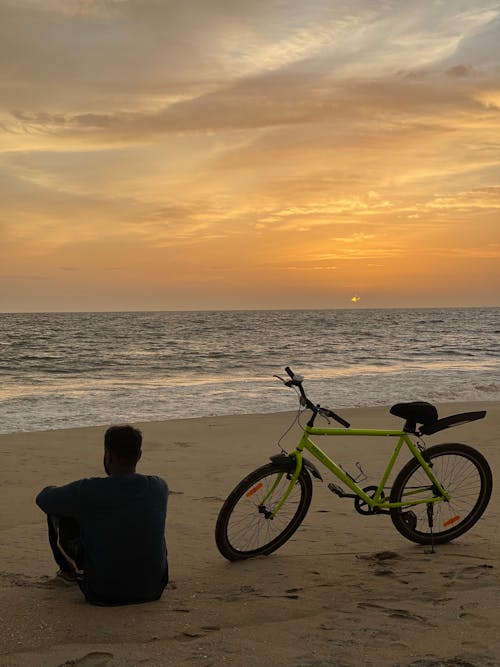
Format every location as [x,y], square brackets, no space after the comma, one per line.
[378,500]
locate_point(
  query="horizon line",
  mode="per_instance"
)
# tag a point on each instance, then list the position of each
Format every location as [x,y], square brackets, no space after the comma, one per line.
[240,310]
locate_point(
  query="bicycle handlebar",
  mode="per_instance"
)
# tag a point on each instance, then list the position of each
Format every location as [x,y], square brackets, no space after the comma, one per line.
[333,415]
[296,381]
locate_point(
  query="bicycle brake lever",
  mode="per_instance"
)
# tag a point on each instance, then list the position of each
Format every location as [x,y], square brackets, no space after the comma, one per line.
[287,383]
[337,418]
[325,415]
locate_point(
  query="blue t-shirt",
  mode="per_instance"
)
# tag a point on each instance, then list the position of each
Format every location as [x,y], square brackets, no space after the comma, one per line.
[122,530]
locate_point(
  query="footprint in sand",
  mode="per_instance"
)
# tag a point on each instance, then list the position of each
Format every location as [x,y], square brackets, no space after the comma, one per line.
[467,617]
[184,443]
[24,581]
[381,561]
[94,659]
[308,662]
[188,636]
[467,613]
[470,574]
[406,615]
[402,614]
[474,660]
[379,556]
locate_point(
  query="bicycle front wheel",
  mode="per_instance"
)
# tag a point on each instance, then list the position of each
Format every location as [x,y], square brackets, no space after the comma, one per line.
[463,473]
[245,525]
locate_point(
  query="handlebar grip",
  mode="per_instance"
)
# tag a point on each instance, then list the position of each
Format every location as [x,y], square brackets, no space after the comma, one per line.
[289,372]
[342,421]
[335,416]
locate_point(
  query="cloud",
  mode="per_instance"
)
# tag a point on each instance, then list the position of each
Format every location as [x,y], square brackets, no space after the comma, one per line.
[118,58]
[461,71]
[269,101]
[481,198]
[172,132]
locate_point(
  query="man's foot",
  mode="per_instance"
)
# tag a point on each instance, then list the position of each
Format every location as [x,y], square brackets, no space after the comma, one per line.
[67,576]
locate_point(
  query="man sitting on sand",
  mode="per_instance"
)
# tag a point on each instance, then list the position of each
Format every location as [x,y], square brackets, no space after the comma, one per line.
[108,533]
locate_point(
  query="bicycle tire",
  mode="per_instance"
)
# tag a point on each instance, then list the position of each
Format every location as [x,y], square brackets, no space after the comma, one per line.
[464,473]
[243,530]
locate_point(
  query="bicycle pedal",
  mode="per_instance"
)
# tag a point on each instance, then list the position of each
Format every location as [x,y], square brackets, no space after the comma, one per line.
[336,489]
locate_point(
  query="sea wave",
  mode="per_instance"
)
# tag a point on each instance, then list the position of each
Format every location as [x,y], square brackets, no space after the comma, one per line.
[78,369]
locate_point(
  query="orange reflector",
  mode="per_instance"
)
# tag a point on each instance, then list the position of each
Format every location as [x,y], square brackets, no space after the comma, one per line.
[452,520]
[254,490]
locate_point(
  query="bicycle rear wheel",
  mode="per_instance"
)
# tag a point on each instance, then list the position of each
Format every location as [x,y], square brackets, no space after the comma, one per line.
[245,527]
[464,474]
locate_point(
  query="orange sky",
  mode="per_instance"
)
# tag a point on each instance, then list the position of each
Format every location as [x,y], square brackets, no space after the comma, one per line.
[229,154]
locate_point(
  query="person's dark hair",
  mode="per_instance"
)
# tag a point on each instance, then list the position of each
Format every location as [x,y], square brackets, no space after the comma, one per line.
[124,442]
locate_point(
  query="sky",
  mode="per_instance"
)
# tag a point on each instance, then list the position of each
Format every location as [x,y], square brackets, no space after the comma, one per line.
[227,154]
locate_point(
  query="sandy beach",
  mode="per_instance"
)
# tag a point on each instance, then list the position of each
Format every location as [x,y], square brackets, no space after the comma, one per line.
[347,590]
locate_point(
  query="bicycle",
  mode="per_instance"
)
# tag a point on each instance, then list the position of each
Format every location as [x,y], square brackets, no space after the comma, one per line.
[438,495]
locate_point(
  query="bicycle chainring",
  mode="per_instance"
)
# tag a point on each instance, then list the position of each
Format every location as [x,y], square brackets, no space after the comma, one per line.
[362,506]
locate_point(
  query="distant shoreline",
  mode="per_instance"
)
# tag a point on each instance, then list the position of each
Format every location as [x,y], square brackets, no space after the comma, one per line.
[445,408]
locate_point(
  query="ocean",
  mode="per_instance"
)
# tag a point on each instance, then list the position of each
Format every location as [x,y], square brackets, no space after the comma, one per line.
[61,370]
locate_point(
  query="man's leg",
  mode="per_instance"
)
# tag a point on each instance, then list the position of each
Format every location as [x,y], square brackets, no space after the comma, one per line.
[64,539]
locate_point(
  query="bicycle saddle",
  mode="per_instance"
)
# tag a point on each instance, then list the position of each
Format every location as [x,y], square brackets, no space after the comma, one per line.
[416,412]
